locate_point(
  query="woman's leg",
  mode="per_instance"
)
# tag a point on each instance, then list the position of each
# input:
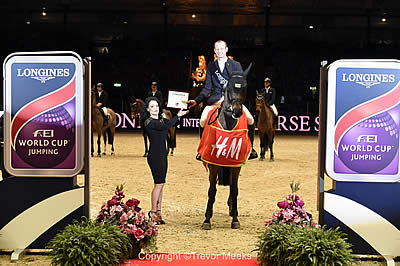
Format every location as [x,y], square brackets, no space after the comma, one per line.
[155,195]
[160,198]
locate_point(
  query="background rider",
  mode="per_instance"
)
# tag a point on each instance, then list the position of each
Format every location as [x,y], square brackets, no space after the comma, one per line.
[102,101]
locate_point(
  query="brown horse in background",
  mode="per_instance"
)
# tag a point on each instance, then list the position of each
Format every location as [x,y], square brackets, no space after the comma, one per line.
[98,127]
[265,125]
[136,108]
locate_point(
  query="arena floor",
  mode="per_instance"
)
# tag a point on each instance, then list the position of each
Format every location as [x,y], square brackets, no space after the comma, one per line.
[261,185]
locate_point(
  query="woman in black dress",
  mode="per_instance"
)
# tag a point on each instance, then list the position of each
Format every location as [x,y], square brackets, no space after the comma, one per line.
[157,130]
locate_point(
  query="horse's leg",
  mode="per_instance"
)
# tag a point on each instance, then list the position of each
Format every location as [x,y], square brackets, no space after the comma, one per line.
[92,148]
[112,129]
[262,146]
[105,141]
[98,143]
[212,191]
[173,139]
[234,191]
[169,145]
[271,151]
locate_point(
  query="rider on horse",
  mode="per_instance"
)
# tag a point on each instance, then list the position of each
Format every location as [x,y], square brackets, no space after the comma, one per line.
[269,94]
[101,102]
[216,80]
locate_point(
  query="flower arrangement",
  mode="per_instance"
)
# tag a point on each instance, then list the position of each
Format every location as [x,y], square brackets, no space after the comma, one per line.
[292,211]
[130,218]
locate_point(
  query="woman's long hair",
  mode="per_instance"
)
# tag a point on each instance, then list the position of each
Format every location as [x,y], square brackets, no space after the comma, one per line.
[145,113]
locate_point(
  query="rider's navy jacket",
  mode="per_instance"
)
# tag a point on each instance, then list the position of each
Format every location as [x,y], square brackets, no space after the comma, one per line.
[215,80]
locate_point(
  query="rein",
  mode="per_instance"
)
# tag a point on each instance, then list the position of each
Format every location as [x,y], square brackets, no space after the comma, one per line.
[216,117]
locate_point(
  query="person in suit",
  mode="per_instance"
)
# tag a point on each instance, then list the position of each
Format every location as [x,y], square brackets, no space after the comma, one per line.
[269,94]
[154,92]
[102,101]
[216,80]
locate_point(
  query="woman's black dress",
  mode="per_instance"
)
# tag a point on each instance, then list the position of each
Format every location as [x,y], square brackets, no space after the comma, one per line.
[157,130]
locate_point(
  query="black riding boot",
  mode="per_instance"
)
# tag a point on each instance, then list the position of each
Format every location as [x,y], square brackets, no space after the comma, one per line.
[198,157]
[253,153]
[105,120]
[275,121]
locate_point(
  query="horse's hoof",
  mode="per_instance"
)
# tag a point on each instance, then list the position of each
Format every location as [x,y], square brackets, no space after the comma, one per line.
[262,159]
[91,154]
[271,160]
[235,225]
[206,226]
[112,153]
[98,155]
[104,153]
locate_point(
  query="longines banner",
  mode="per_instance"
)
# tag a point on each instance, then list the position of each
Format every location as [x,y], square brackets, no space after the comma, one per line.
[363,116]
[43,100]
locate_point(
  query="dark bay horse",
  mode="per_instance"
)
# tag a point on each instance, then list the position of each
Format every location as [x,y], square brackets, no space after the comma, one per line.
[98,126]
[136,108]
[266,129]
[228,115]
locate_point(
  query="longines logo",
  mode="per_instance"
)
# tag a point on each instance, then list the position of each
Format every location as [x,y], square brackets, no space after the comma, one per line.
[43,74]
[368,80]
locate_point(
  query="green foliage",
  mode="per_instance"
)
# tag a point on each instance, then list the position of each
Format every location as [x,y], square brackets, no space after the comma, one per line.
[89,243]
[294,245]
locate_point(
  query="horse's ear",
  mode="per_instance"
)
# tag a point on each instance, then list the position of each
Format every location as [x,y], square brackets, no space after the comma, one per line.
[257,92]
[248,69]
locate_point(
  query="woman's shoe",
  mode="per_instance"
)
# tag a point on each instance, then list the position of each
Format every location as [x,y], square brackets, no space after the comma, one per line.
[160,220]
[154,217]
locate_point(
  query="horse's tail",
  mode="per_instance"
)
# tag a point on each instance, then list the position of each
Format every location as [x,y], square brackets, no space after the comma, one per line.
[224,176]
[110,136]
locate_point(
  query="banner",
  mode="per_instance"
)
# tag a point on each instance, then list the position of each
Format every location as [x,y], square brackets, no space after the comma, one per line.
[363,115]
[43,100]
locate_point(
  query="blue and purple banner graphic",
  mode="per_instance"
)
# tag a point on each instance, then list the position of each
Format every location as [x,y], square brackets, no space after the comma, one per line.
[43,114]
[363,121]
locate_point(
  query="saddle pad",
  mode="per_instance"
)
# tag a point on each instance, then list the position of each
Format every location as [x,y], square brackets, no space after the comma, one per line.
[225,147]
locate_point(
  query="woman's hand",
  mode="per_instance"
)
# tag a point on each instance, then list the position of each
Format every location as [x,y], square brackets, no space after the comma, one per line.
[182,112]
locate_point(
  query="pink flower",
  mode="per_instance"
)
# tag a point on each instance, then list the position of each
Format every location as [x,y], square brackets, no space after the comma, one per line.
[119,208]
[288,214]
[283,204]
[276,215]
[268,223]
[124,218]
[139,234]
[111,202]
[132,203]
[299,203]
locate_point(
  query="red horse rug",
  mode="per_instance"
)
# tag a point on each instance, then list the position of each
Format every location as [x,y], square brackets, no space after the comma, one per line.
[223,147]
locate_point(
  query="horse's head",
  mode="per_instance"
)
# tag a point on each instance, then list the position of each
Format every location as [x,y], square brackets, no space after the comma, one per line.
[136,108]
[93,97]
[235,91]
[259,102]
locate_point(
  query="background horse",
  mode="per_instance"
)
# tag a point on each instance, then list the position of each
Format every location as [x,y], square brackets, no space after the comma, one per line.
[97,122]
[136,108]
[228,115]
[265,125]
